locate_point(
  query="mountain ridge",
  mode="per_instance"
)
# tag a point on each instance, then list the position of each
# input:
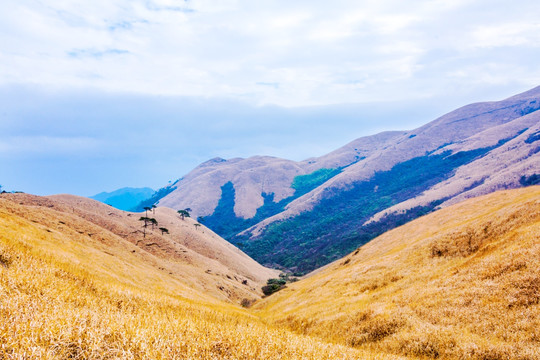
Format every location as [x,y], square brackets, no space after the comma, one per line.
[452,157]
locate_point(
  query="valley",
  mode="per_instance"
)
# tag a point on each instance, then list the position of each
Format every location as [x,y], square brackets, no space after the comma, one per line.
[269,180]
[460,282]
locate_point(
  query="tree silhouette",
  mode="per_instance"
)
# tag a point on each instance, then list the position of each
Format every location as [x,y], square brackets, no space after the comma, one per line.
[164,230]
[146,208]
[153,222]
[146,220]
[154,209]
[196,225]
[184,213]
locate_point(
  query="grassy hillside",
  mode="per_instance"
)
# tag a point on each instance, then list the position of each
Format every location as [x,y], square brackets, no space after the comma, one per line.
[463,282]
[335,226]
[227,224]
[299,216]
[65,294]
[196,257]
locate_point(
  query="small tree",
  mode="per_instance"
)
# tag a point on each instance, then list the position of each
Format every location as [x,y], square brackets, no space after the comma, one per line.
[153,222]
[196,225]
[184,213]
[146,220]
[154,209]
[146,208]
[164,230]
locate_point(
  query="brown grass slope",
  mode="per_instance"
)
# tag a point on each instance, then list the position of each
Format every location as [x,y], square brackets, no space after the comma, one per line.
[469,127]
[195,256]
[501,168]
[463,282]
[71,289]
[200,190]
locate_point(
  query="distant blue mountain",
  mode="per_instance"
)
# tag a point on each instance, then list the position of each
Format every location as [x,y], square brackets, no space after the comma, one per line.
[125,198]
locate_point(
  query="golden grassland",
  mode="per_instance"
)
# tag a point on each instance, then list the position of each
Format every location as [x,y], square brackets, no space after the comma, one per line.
[64,296]
[198,258]
[463,283]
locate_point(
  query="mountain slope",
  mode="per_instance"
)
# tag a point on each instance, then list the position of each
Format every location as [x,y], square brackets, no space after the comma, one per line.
[200,190]
[125,198]
[72,289]
[350,216]
[453,128]
[302,215]
[197,258]
[463,282]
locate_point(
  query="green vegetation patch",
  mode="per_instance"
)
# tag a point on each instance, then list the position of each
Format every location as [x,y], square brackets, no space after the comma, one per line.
[534,179]
[274,285]
[302,184]
[533,137]
[224,221]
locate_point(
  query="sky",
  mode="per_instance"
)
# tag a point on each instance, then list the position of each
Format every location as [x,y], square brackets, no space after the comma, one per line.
[98,95]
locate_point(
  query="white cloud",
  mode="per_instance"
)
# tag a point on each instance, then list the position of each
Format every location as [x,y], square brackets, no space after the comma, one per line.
[506,35]
[318,53]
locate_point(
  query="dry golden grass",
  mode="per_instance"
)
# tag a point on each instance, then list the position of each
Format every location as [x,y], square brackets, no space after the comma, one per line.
[198,258]
[68,296]
[461,283]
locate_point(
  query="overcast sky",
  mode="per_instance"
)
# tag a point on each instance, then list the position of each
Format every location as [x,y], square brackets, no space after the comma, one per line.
[97,95]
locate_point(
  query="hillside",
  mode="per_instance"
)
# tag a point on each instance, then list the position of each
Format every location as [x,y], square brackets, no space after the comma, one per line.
[194,257]
[462,282]
[70,288]
[303,215]
[124,199]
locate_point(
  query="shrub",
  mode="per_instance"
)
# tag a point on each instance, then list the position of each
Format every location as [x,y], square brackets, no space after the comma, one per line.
[276,281]
[247,302]
[270,289]
[273,285]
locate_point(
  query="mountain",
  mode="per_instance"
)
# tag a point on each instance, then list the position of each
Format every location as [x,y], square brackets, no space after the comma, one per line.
[303,215]
[79,281]
[460,283]
[124,199]
[190,255]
